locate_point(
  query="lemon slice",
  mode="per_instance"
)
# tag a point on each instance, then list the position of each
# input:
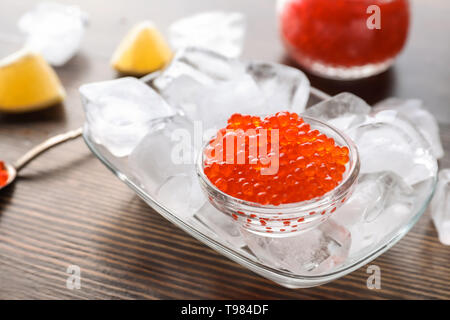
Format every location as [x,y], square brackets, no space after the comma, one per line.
[143,50]
[28,83]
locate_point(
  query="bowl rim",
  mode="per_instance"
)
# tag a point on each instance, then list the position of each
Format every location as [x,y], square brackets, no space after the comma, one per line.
[308,205]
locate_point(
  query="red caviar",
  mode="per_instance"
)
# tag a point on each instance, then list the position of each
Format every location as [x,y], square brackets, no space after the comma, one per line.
[309,163]
[336,33]
[3,174]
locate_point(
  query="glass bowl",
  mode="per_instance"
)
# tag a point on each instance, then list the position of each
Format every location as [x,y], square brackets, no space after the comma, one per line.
[236,249]
[291,218]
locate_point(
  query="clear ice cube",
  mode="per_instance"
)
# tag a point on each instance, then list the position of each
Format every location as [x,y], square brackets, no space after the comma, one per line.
[199,83]
[440,207]
[282,87]
[219,31]
[55,30]
[366,236]
[217,104]
[380,203]
[388,143]
[202,65]
[422,119]
[164,162]
[119,113]
[312,252]
[183,93]
[181,194]
[221,224]
[342,111]
[163,153]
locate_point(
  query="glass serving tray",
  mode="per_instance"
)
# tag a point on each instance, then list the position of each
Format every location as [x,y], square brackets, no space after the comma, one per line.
[244,256]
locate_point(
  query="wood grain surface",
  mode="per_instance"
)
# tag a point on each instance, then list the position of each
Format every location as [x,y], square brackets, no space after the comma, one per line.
[68,209]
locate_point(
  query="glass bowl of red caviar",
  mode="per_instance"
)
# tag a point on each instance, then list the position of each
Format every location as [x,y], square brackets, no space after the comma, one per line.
[344,39]
[292,212]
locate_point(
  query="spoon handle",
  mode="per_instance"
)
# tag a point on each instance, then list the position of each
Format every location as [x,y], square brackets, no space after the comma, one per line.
[44,146]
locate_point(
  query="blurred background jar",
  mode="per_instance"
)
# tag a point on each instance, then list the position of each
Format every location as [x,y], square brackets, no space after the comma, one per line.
[344,39]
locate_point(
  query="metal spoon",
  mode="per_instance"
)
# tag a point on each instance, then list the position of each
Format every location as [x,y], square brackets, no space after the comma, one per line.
[13,169]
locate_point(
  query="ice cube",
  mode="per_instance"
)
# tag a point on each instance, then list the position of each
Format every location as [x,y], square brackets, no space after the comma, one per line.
[199,82]
[196,195]
[164,162]
[282,87]
[384,189]
[172,190]
[220,31]
[119,113]
[181,194]
[413,110]
[312,252]
[379,204]
[55,30]
[202,93]
[343,110]
[163,153]
[386,145]
[221,224]
[440,207]
[184,93]
[217,104]
[367,235]
[202,65]
[392,218]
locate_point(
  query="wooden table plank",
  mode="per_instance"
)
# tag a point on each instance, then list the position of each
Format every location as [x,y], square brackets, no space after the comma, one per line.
[69,209]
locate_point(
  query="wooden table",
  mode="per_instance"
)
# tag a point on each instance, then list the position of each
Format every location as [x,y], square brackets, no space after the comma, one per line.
[68,209]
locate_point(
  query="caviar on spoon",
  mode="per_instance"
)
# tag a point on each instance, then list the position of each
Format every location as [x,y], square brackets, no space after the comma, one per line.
[8,171]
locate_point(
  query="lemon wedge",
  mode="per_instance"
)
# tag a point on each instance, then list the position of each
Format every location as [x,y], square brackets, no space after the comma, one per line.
[143,50]
[28,83]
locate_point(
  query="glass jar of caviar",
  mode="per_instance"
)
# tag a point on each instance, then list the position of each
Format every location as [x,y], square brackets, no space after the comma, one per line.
[343,39]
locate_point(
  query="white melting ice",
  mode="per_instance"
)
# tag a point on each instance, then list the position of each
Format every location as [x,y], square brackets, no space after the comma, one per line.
[209,87]
[220,31]
[312,252]
[119,113]
[164,162]
[414,111]
[386,138]
[55,30]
